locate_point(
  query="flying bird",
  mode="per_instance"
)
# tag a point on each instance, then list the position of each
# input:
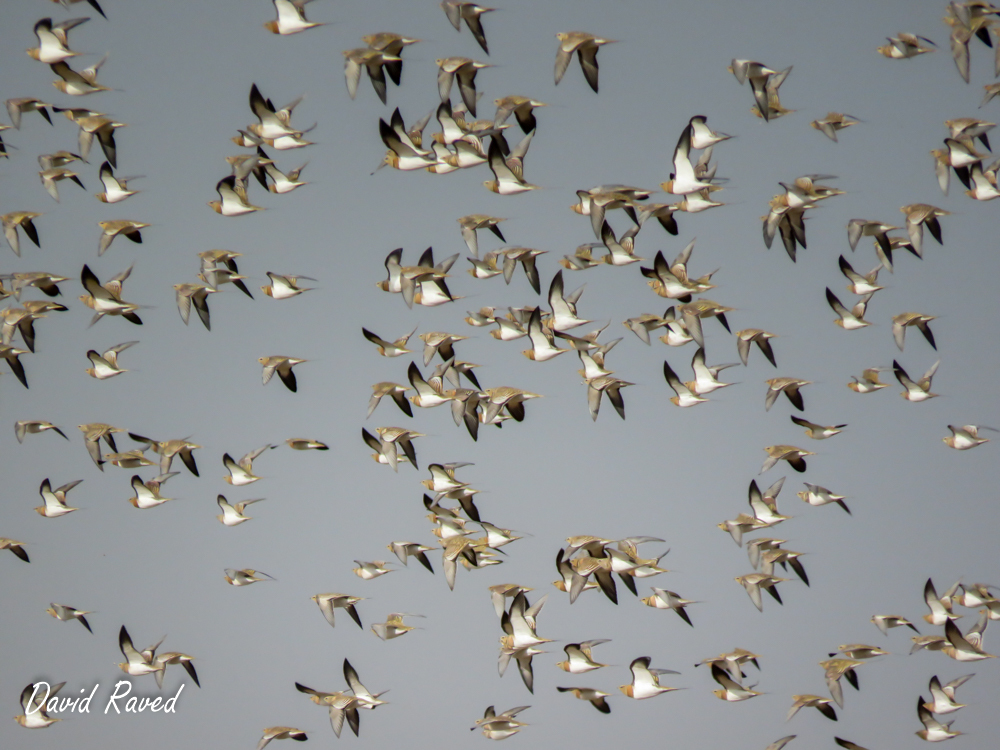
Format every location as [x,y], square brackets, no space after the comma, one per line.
[586,47]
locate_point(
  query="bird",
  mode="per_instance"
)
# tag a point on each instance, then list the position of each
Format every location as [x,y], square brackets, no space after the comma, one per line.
[47,283]
[984,189]
[683,179]
[106,365]
[369,570]
[816,431]
[564,315]
[508,181]
[104,129]
[105,299]
[596,697]
[51,177]
[992,90]
[762,82]
[794,456]
[53,43]
[849,320]
[471,14]
[392,45]
[329,602]
[168,449]
[283,366]
[440,343]
[194,295]
[405,550]
[35,715]
[731,690]
[33,427]
[586,47]
[919,390]
[80,83]
[813,701]
[92,434]
[393,390]
[147,494]
[372,60]
[115,190]
[465,69]
[702,136]
[645,681]
[509,398]
[473,222]
[245,577]
[133,459]
[232,198]
[884,622]
[749,336]
[579,659]
[17,107]
[673,281]
[663,599]
[393,627]
[905,45]
[837,668]
[765,506]
[685,396]
[940,607]
[833,122]
[790,387]
[11,354]
[816,495]
[428,393]
[919,215]
[858,228]
[291,19]
[306,444]
[281,733]
[136,664]
[706,378]
[125,227]
[502,726]
[521,107]
[387,349]
[234,515]
[403,153]
[284,287]
[768,558]
[860,651]
[966,647]
[754,582]
[175,657]
[55,500]
[610,385]
[917,320]
[943,698]
[14,546]
[241,473]
[64,613]
[861,285]
[341,706]
[24,220]
[92,3]
[283,182]
[965,437]
[933,731]
[217,266]
[779,744]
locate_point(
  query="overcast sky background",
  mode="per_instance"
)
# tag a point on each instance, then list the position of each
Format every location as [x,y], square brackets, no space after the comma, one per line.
[183,72]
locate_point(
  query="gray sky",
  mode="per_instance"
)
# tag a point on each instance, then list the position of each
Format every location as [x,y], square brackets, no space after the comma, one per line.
[183,74]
